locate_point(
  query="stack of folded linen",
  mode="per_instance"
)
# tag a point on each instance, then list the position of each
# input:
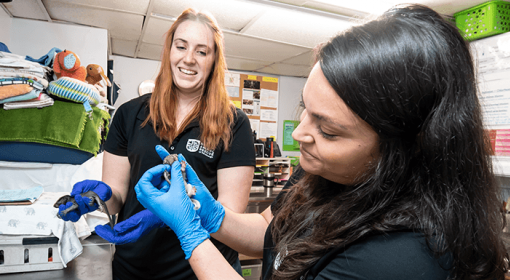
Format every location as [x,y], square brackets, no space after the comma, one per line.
[22,82]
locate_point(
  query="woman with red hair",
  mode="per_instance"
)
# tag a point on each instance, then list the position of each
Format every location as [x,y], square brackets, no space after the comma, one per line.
[188,113]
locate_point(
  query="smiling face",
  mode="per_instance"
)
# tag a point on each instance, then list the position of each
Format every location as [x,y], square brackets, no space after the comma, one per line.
[191,56]
[335,143]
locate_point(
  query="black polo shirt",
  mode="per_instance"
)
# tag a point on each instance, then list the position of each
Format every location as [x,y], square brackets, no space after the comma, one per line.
[397,255]
[158,255]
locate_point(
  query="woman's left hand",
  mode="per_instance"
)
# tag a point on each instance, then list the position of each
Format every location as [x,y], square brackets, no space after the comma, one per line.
[173,207]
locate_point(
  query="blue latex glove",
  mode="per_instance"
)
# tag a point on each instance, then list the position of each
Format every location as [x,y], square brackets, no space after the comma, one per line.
[131,229]
[211,212]
[101,189]
[173,207]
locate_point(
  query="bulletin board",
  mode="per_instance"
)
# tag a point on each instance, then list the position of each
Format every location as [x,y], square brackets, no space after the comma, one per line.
[257,96]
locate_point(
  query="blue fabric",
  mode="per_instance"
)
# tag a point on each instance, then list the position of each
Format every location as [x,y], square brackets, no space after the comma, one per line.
[4,48]
[174,207]
[38,152]
[47,59]
[131,229]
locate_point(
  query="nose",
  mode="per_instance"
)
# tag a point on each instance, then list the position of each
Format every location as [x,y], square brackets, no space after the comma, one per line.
[189,58]
[302,132]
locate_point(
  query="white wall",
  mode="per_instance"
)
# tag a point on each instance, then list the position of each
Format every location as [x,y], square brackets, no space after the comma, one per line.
[288,106]
[128,73]
[36,38]
[5,29]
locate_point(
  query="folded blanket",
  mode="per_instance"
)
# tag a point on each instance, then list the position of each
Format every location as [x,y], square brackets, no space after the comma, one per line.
[5,81]
[64,124]
[12,74]
[30,95]
[14,90]
[43,100]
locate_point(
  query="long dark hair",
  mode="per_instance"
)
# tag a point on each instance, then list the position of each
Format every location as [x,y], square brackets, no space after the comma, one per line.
[409,74]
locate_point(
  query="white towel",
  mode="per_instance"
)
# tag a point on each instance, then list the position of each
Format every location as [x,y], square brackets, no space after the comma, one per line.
[40,219]
[44,100]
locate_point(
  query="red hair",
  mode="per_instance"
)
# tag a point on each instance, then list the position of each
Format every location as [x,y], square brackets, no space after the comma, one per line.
[214,109]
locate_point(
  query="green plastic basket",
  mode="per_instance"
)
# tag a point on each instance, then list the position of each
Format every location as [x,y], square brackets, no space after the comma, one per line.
[484,20]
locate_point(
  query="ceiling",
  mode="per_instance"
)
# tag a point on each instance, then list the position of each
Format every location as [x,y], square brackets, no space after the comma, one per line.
[274,37]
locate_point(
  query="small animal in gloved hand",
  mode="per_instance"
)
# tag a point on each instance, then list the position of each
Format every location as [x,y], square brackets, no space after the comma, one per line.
[93,197]
[190,190]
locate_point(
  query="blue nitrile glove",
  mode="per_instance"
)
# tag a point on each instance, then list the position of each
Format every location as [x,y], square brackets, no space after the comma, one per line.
[101,189]
[173,207]
[131,229]
[211,212]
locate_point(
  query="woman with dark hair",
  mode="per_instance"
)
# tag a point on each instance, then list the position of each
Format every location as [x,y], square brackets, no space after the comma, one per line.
[396,179]
[190,113]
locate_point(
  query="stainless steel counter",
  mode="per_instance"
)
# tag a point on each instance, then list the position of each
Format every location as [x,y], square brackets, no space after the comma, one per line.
[95,263]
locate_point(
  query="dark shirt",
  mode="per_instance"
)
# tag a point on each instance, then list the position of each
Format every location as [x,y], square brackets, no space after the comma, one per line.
[397,255]
[158,255]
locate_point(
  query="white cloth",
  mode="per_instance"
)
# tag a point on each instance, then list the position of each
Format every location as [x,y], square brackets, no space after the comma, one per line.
[44,100]
[40,218]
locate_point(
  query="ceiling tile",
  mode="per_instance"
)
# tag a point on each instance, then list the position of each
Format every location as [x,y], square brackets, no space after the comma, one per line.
[305,59]
[25,9]
[150,51]
[287,70]
[258,49]
[235,63]
[134,6]
[120,25]
[449,7]
[155,31]
[123,47]
[230,14]
[296,27]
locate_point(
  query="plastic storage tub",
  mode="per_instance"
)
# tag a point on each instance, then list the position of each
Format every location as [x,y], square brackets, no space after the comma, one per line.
[484,20]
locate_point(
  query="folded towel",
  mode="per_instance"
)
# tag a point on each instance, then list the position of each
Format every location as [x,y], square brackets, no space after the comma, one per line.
[42,101]
[14,90]
[31,95]
[12,74]
[64,124]
[20,80]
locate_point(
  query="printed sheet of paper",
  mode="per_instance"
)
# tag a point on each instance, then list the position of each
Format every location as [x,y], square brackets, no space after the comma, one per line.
[493,57]
[267,129]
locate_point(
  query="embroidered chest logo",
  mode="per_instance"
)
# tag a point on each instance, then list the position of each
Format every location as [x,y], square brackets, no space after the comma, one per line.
[194,146]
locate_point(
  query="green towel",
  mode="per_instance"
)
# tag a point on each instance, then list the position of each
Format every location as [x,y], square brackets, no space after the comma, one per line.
[64,124]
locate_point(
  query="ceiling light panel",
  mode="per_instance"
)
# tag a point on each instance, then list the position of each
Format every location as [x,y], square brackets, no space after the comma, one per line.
[230,14]
[25,9]
[134,6]
[257,49]
[296,27]
[155,31]
[121,25]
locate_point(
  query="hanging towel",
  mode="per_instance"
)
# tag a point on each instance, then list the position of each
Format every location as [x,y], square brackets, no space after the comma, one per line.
[64,124]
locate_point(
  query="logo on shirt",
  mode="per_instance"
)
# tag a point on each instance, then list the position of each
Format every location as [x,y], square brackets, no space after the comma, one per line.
[195,145]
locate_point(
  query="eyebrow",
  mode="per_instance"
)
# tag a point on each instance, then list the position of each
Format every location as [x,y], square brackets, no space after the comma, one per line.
[327,119]
[199,45]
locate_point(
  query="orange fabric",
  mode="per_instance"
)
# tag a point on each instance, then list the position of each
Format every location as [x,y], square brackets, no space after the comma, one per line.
[14,90]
